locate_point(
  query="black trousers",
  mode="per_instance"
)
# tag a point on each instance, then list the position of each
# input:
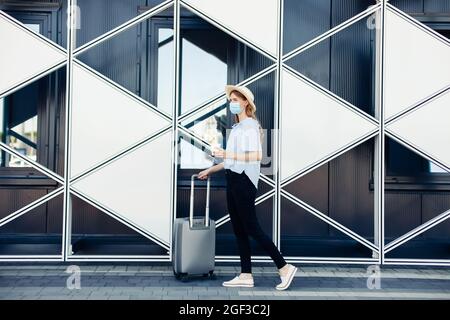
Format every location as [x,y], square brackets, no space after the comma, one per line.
[241,194]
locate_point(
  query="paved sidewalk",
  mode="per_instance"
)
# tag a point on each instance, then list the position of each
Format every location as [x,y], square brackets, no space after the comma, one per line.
[145,281]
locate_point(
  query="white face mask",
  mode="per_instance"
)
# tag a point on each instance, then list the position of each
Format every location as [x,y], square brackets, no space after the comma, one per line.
[235,107]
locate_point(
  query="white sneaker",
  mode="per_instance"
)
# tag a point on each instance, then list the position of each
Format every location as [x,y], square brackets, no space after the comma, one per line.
[286,280]
[238,282]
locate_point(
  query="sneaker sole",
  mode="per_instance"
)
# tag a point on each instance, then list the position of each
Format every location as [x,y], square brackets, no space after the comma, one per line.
[289,281]
[238,285]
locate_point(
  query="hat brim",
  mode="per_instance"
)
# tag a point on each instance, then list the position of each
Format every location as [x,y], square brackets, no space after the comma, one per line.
[230,88]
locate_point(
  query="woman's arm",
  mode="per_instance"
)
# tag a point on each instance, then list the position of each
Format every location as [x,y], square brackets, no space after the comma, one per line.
[246,156]
[205,173]
[216,168]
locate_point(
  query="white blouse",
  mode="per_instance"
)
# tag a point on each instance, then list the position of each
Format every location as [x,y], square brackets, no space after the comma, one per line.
[244,136]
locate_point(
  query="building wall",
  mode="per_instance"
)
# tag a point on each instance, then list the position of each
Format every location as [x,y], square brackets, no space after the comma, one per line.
[342,188]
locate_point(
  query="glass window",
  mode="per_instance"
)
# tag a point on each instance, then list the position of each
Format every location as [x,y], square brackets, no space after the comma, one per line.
[203,65]
[35,27]
[18,128]
[434,168]
[210,127]
[23,138]
[19,125]
[165,69]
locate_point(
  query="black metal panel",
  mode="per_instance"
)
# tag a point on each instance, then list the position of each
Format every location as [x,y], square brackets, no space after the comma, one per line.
[62,31]
[55,212]
[409,6]
[437,6]
[396,155]
[304,20]
[351,201]
[96,233]
[418,249]
[33,221]
[351,62]
[264,92]
[249,62]
[117,58]
[402,213]
[313,189]
[434,204]
[87,219]
[101,16]
[60,126]
[305,235]
[342,10]
[314,63]
[296,221]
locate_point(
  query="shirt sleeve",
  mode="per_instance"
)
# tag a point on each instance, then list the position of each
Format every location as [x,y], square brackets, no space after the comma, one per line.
[251,140]
[217,160]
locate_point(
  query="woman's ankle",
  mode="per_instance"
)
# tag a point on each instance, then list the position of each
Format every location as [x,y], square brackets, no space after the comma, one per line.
[245,275]
[283,270]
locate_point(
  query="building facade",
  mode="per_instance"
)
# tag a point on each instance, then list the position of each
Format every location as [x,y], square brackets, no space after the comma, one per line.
[108,107]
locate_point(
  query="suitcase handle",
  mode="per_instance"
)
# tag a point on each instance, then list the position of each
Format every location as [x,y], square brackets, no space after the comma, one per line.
[191,204]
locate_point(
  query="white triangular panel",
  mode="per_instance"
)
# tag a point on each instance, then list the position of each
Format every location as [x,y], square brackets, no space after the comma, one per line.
[314,125]
[105,121]
[416,64]
[136,186]
[23,55]
[254,20]
[428,128]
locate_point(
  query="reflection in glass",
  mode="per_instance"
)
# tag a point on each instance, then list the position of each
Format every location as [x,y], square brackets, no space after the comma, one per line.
[35,27]
[165,69]
[19,127]
[210,126]
[203,66]
[434,168]
[23,138]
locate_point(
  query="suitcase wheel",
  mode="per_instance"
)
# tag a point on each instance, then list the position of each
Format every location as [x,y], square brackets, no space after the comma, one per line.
[180,276]
[210,274]
[184,276]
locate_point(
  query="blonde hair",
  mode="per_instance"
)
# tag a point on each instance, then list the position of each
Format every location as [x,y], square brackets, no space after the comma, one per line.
[250,112]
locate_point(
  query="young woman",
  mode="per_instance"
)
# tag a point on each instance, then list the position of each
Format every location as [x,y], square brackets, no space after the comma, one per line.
[241,161]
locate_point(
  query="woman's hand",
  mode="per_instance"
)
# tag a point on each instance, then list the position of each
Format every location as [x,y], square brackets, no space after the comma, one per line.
[204,174]
[207,172]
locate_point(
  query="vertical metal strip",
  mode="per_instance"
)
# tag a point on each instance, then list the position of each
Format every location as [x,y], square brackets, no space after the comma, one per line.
[379,152]
[376,149]
[277,127]
[382,141]
[176,33]
[67,213]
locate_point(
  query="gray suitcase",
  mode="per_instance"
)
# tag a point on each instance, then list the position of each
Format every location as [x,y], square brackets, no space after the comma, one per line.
[194,241]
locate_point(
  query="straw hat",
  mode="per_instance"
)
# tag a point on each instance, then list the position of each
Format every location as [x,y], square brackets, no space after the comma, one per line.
[245,91]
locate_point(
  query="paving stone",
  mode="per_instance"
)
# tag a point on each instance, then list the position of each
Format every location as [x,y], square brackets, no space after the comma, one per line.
[150,282]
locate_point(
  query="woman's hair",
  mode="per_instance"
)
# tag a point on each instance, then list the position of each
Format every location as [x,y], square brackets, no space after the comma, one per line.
[249,111]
